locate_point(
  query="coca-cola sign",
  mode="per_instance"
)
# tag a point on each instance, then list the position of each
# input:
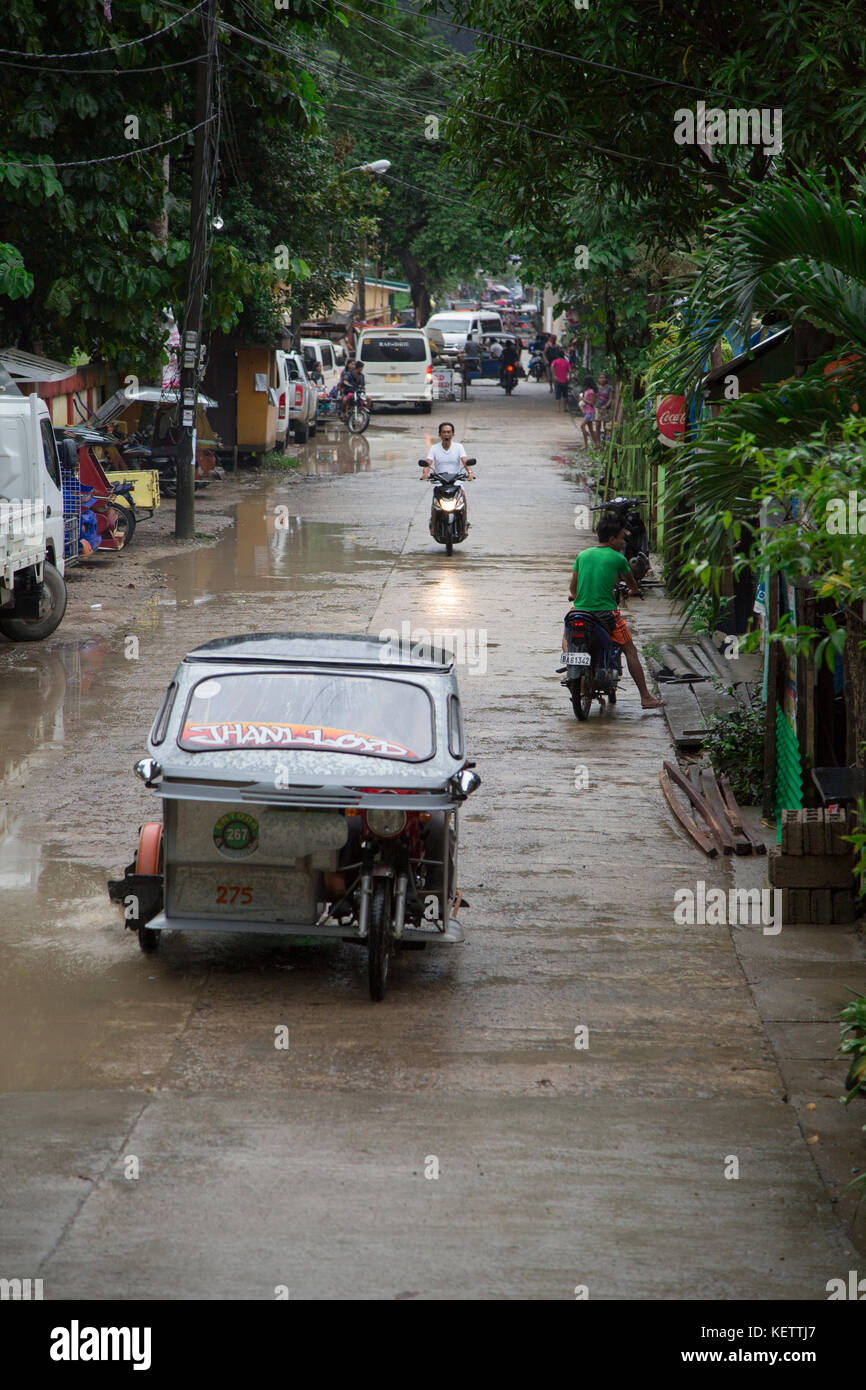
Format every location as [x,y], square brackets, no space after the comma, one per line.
[671,420]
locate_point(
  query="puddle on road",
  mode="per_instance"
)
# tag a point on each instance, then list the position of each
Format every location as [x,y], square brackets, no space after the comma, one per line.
[333,451]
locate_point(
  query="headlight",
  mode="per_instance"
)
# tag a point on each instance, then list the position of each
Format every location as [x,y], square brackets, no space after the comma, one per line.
[448,504]
[386,824]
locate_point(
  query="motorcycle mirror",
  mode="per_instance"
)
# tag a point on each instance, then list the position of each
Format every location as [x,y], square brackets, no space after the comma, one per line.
[471,463]
[422,463]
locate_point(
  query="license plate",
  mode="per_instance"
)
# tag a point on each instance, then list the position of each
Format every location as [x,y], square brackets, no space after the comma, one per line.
[577,659]
[393,378]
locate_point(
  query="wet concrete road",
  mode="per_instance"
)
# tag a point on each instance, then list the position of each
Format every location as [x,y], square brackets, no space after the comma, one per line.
[558,1166]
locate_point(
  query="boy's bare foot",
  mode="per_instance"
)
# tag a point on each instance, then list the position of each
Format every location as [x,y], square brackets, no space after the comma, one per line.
[651,703]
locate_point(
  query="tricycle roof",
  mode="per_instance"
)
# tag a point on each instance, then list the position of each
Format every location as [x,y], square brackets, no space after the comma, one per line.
[324,649]
[299,716]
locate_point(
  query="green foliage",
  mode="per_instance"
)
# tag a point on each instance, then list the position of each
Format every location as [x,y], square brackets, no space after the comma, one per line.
[735,744]
[16,282]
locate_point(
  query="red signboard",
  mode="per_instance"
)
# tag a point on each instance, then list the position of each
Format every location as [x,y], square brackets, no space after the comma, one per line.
[671,419]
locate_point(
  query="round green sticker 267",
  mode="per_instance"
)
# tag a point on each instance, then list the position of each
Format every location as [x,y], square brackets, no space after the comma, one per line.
[236,834]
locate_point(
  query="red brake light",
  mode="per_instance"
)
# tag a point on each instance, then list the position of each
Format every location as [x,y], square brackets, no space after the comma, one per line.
[282,404]
[299,395]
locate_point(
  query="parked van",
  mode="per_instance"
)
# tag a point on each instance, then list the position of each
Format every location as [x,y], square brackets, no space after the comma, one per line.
[32,541]
[397,366]
[321,351]
[456,326]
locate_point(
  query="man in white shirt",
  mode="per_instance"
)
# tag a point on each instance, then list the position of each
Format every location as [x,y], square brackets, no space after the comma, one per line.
[448,457]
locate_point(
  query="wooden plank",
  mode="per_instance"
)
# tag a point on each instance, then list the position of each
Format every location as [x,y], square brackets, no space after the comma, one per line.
[711,792]
[735,816]
[683,715]
[726,669]
[722,836]
[700,838]
[695,659]
[673,662]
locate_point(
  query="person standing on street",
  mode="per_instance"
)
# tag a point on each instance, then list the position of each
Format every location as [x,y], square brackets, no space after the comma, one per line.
[561,371]
[551,351]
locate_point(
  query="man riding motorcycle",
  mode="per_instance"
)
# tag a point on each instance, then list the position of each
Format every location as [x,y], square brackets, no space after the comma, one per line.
[593,588]
[510,357]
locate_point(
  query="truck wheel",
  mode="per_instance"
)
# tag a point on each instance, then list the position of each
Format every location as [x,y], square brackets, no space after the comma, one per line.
[51,610]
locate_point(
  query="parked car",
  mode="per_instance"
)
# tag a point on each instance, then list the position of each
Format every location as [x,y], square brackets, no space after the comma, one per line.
[302,399]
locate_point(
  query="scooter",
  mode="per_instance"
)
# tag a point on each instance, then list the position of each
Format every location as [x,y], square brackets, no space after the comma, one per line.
[449,521]
[592,660]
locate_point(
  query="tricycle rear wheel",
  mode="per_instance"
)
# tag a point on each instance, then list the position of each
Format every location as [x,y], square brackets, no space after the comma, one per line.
[379,939]
[149,860]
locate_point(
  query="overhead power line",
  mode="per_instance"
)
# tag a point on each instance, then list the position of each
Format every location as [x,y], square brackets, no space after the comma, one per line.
[112,48]
[49,163]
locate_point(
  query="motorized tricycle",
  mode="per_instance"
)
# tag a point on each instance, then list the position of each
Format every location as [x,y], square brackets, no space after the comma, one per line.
[310,786]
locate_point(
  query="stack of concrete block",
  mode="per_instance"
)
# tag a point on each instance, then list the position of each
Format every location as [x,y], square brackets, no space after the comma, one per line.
[814,867]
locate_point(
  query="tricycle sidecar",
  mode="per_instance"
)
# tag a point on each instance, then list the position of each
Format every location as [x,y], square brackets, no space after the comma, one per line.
[310,786]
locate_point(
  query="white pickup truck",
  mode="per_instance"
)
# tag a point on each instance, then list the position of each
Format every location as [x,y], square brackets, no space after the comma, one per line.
[32,586]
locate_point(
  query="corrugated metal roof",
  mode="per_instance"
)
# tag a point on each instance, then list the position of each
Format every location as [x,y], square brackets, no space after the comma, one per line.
[25,366]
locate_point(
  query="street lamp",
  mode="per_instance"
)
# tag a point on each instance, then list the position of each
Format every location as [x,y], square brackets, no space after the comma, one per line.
[375,166]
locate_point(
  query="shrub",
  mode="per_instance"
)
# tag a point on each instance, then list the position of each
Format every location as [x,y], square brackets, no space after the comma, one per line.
[735,744]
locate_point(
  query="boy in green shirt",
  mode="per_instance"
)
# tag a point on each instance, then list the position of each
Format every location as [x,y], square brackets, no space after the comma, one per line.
[593,590]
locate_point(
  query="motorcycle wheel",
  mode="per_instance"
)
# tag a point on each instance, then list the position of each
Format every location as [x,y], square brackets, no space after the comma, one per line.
[358,419]
[581,693]
[449,546]
[379,940]
[125,523]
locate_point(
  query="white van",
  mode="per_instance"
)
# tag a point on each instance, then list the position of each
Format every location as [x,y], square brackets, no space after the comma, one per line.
[397,365]
[456,326]
[320,352]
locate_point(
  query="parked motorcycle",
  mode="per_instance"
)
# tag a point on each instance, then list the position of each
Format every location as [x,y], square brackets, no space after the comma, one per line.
[626,510]
[537,367]
[449,520]
[592,660]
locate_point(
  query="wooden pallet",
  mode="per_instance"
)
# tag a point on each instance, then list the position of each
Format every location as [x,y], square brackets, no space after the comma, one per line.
[712,819]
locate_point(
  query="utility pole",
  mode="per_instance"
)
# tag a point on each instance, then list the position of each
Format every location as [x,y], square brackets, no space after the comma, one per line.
[362,283]
[184,522]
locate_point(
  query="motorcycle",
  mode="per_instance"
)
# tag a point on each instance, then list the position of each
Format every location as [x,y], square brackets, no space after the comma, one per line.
[626,510]
[508,377]
[355,410]
[537,367]
[448,516]
[592,660]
